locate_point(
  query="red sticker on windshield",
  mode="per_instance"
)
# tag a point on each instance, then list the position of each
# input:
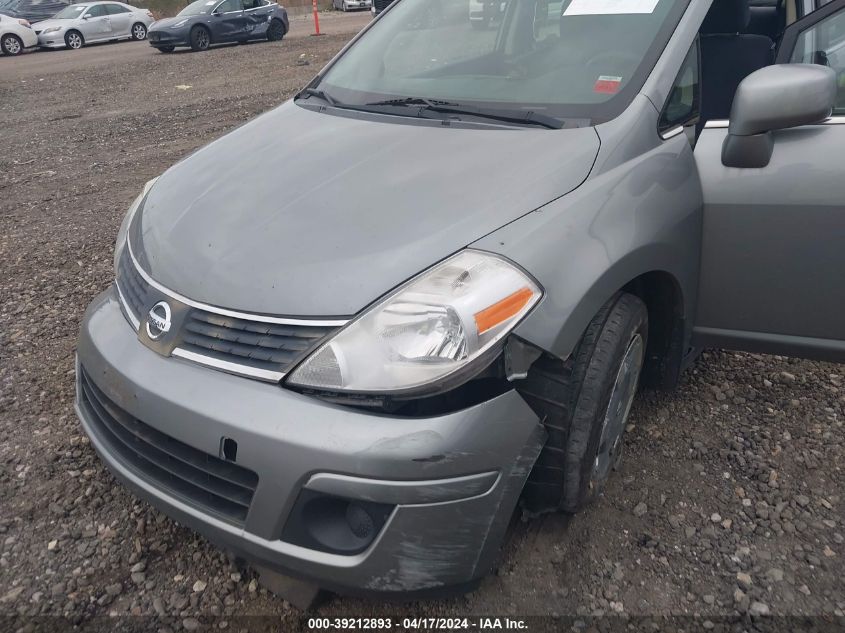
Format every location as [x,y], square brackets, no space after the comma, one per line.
[607,85]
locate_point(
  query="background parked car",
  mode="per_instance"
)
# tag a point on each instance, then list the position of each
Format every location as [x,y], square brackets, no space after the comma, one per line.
[80,24]
[483,13]
[349,5]
[207,22]
[15,35]
[32,10]
[379,6]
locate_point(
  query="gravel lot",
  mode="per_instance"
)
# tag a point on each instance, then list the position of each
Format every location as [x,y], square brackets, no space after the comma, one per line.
[729,500]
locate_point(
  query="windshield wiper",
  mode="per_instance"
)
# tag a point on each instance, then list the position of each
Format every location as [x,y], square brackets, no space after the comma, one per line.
[320,94]
[410,101]
[518,117]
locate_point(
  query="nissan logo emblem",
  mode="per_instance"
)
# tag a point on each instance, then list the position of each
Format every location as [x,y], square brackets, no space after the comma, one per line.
[158,320]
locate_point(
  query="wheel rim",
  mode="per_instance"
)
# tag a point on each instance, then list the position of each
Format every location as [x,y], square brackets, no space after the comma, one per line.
[202,39]
[74,41]
[621,398]
[12,46]
[140,32]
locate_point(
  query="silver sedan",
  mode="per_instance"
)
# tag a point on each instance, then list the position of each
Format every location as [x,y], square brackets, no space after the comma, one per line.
[80,24]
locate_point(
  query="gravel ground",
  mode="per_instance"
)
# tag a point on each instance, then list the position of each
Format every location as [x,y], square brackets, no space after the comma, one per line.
[729,500]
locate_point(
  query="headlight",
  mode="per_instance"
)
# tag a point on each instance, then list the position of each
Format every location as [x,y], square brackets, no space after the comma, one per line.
[52,29]
[127,220]
[429,329]
[179,24]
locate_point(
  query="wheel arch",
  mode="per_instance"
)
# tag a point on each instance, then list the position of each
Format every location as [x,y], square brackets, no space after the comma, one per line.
[14,35]
[648,273]
[664,299]
[78,32]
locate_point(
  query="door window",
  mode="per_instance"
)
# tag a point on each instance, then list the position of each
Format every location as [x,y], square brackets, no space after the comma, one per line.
[114,9]
[682,107]
[824,43]
[98,10]
[229,6]
[252,4]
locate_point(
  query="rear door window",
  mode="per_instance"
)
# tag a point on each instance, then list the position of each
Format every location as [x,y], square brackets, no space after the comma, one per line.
[229,6]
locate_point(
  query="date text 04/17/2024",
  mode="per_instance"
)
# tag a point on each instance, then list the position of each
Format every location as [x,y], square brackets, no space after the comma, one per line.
[418,624]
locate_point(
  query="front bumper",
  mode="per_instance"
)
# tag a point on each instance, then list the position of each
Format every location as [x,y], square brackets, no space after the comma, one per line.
[55,39]
[452,481]
[169,37]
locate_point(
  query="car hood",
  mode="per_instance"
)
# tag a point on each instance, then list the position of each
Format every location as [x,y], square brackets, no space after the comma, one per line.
[167,22]
[304,213]
[46,24]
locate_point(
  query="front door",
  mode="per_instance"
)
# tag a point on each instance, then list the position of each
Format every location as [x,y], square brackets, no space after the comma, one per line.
[228,22]
[257,14]
[773,250]
[95,23]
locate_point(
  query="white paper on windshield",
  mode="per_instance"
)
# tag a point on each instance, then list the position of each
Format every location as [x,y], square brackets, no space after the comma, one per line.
[610,7]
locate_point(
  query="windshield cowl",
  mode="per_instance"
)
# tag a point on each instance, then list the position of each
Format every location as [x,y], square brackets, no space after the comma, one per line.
[444,110]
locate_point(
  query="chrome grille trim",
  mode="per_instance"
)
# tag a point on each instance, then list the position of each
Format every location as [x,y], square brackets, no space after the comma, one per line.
[231,368]
[236,368]
[133,318]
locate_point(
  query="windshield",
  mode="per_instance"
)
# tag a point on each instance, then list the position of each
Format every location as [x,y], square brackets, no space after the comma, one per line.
[582,59]
[73,11]
[199,7]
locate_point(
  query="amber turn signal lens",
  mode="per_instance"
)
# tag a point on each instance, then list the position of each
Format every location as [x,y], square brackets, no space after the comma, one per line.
[502,310]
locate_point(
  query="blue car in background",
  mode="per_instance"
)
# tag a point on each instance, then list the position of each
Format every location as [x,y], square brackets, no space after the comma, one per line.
[207,22]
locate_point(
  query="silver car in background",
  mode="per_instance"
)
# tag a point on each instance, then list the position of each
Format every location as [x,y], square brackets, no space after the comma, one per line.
[90,22]
[351,5]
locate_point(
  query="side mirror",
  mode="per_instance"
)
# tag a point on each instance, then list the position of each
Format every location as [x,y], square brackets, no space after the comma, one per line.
[86,17]
[775,98]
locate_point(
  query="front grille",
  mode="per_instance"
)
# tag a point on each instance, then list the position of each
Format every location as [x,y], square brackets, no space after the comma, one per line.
[204,481]
[269,346]
[253,344]
[132,285]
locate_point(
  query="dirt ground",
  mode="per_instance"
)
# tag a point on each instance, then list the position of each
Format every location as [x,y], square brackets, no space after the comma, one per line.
[729,500]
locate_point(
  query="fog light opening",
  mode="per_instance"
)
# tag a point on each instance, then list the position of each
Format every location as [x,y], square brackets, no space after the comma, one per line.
[334,524]
[359,521]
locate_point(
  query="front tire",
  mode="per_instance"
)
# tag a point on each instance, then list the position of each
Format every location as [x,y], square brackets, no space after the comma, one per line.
[74,40]
[200,38]
[584,402]
[139,32]
[276,30]
[11,44]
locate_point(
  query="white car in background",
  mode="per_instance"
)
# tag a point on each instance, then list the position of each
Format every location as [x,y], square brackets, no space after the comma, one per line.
[89,22]
[15,35]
